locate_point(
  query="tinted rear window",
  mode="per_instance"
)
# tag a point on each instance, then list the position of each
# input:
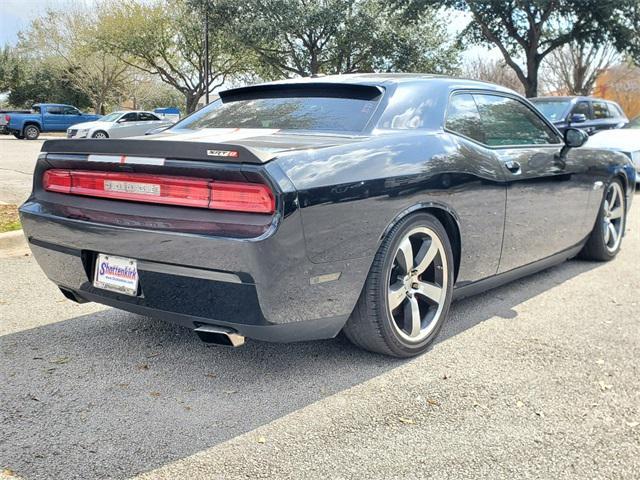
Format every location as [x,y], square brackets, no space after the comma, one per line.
[289,113]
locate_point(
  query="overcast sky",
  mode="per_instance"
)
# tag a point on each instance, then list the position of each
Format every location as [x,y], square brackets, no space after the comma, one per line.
[15,15]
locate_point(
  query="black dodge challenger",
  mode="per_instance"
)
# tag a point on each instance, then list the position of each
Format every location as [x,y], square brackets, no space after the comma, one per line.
[294,210]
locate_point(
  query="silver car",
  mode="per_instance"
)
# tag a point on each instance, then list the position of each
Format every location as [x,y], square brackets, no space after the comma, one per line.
[118,125]
[624,140]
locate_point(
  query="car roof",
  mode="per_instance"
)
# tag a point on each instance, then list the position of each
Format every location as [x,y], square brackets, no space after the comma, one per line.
[571,98]
[131,111]
[52,105]
[386,79]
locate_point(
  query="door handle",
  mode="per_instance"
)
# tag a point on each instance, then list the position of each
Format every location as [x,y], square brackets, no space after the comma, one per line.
[513,166]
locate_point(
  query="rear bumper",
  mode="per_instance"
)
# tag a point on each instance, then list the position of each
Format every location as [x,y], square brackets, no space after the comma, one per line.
[263,288]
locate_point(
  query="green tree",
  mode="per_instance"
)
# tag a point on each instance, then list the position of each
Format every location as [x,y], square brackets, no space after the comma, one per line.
[66,40]
[8,66]
[34,82]
[528,30]
[165,38]
[309,37]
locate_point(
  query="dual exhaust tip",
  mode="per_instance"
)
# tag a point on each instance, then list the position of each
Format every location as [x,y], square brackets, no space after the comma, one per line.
[212,335]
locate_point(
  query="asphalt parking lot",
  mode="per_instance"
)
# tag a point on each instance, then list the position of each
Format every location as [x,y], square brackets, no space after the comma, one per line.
[538,379]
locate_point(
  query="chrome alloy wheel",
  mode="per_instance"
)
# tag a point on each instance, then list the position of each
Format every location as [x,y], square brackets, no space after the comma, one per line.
[417,284]
[613,218]
[99,135]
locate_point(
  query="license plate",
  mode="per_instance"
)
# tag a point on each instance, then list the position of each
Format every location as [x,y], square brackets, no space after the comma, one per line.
[117,274]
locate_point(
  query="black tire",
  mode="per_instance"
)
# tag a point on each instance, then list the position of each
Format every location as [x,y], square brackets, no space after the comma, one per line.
[99,134]
[372,325]
[31,132]
[599,246]
[19,136]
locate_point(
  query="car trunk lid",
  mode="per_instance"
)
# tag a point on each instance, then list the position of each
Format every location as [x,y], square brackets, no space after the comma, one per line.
[248,146]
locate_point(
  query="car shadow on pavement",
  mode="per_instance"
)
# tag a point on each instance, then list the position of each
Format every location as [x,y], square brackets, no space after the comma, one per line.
[112,394]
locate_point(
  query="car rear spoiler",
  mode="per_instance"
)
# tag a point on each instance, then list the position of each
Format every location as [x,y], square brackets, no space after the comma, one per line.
[167,149]
[303,89]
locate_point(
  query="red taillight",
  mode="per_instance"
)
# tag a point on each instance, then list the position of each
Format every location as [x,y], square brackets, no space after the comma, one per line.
[7,118]
[57,181]
[241,197]
[182,191]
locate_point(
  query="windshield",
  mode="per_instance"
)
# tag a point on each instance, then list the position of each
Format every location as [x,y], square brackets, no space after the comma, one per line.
[288,113]
[635,123]
[112,117]
[552,109]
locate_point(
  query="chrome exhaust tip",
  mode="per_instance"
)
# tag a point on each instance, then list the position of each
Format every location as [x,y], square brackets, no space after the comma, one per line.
[213,335]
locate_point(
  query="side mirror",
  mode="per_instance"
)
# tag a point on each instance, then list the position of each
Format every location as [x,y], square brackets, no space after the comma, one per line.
[574,137]
[577,118]
[122,120]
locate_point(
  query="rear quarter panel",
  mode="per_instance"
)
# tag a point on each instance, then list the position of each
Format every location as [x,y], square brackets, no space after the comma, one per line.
[18,121]
[350,195]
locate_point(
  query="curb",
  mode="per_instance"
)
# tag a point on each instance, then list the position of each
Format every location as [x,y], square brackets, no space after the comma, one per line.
[12,241]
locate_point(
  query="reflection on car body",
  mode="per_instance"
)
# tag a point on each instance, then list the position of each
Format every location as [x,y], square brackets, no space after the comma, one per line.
[369,203]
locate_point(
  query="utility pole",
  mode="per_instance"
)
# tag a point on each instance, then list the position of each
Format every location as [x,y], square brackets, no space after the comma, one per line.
[206,51]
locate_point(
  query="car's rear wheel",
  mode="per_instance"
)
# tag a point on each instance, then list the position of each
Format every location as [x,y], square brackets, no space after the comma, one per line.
[407,294]
[31,132]
[606,237]
[100,134]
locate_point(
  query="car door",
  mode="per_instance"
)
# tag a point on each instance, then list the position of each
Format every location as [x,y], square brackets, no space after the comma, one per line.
[53,118]
[70,116]
[603,118]
[146,122]
[547,194]
[125,126]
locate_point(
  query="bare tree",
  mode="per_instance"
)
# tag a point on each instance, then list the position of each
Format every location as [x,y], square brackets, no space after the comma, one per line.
[527,31]
[574,68]
[492,70]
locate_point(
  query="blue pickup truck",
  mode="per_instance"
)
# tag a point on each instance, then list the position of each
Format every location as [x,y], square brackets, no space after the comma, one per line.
[45,117]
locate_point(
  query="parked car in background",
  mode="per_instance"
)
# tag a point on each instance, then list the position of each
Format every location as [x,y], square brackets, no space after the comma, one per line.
[168,113]
[118,125]
[586,113]
[4,119]
[292,210]
[624,140]
[45,117]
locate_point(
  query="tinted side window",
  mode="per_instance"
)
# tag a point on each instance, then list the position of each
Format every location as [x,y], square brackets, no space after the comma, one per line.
[54,110]
[71,111]
[130,117]
[508,122]
[600,110]
[147,117]
[581,108]
[615,110]
[463,117]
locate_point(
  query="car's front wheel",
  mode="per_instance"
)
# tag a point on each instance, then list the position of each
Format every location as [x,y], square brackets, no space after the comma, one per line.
[408,292]
[100,134]
[606,237]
